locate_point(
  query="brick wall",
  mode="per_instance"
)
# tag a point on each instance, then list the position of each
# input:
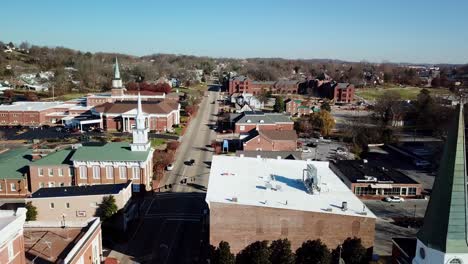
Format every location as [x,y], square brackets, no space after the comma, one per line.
[21,186]
[264,144]
[18,250]
[35,179]
[241,225]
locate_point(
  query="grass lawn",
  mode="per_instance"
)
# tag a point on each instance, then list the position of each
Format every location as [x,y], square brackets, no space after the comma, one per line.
[178,130]
[71,96]
[156,142]
[408,93]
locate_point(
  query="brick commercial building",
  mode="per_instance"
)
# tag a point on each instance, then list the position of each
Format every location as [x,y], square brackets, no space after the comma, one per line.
[253,199]
[343,93]
[271,140]
[242,84]
[11,236]
[370,180]
[42,113]
[14,172]
[77,203]
[64,242]
[246,121]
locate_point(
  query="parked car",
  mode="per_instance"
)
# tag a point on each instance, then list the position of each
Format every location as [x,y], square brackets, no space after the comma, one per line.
[307,150]
[170,167]
[394,199]
[190,162]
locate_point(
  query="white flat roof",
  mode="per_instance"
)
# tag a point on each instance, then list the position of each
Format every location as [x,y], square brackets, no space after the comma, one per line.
[29,106]
[245,179]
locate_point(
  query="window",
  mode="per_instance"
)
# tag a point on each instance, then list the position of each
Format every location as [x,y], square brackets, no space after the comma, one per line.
[50,172]
[11,251]
[60,172]
[242,128]
[41,171]
[412,191]
[94,204]
[71,171]
[52,205]
[364,191]
[51,184]
[12,187]
[67,205]
[110,172]
[61,184]
[1,187]
[456,261]
[123,172]
[136,172]
[41,185]
[83,172]
[96,172]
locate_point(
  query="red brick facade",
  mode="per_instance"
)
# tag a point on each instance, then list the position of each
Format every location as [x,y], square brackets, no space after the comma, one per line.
[50,176]
[243,128]
[245,85]
[241,225]
[18,251]
[14,187]
[343,94]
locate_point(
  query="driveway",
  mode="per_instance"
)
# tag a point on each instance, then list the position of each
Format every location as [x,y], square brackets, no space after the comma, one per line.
[195,145]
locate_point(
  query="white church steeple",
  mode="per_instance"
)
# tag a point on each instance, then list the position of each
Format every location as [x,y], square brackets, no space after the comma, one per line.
[140,132]
[116,81]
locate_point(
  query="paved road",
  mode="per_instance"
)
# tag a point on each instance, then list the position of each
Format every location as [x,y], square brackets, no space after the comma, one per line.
[195,145]
[172,230]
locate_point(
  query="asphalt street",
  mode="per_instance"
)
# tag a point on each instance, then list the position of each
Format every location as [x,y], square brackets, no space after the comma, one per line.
[195,145]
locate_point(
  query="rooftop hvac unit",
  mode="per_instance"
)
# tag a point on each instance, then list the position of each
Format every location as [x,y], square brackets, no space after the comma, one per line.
[234,199]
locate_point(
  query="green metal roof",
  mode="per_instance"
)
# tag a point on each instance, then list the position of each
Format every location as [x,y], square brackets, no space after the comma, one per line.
[303,107]
[112,151]
[298,101]
[14,163]
[56,158]
[445,222]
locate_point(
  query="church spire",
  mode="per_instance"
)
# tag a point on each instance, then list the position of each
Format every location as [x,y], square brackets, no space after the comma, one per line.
[445,223]
[116,70]
[116,81]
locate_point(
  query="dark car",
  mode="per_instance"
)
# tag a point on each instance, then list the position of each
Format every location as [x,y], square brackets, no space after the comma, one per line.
[190,162]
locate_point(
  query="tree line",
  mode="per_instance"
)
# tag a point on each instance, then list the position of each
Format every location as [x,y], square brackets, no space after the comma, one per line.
[279,252]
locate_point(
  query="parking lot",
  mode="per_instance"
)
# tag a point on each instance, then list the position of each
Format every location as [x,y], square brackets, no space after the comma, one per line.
[324,150]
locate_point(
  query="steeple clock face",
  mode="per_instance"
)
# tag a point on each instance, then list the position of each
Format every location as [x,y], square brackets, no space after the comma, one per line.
[422,253]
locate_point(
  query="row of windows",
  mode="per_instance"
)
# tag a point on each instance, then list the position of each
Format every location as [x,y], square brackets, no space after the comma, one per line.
[51,172]
[389,191]
[52,205]
[96,171]
[12,187]
[53,184]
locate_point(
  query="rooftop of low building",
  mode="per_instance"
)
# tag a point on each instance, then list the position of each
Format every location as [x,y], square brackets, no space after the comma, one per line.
[282,184]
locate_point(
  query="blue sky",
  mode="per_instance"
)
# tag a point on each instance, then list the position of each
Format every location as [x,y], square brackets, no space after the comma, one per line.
[373,30]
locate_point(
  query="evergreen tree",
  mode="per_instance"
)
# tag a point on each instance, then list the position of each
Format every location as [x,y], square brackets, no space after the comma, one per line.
[280,252]
[313,252]
[107,208]
[255,253]
[31,213]
[279,106]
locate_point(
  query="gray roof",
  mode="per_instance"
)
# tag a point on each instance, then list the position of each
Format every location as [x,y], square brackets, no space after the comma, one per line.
[342,85]
[445,222]
[263,118]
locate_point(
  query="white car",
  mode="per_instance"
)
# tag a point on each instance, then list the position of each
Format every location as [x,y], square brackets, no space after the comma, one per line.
[394,199]
[307,150]
[170,167]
